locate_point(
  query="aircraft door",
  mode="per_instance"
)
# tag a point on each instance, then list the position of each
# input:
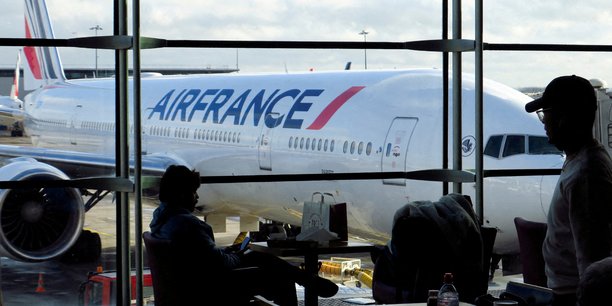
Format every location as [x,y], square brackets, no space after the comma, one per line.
[73,123]
[395,151]
[264,144]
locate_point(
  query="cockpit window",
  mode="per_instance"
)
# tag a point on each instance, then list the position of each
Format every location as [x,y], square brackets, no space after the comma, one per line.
[540,145]
[494,146]
[515,144]
[509,145]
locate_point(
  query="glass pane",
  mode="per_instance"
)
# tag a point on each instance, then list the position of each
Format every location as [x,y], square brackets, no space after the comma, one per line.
[515,144]
[540,145]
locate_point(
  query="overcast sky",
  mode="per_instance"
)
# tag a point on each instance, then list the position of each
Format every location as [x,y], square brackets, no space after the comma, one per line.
[518,21]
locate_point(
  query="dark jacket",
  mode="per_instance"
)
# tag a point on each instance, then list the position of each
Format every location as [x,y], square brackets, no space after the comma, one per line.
[429,239]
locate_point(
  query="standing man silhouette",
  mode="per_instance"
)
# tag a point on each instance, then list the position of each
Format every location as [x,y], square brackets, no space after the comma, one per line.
[580,215]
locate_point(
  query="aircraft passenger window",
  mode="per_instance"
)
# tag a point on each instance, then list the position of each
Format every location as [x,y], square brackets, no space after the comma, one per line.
[314,144]
[295,144]
[307,143]
[345,148]
[238,138]
[369,149]
[224,136]
[493,146]
[331,146]
[352,147]
[234,137]
[325,145]
[319,144]
[290,142]
[360,148]
[540,145]
[515,144]
[302,143]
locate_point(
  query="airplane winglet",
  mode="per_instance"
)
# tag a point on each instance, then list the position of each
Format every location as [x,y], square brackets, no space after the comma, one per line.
[15,87]
[43,63]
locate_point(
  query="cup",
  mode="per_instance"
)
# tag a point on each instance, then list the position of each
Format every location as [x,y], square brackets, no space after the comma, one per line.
[505,303]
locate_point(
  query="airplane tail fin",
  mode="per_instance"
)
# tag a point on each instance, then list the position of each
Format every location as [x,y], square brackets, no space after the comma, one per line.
[43,63]
[15,87]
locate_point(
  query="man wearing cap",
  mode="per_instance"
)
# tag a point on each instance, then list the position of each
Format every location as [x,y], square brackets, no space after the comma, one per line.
[580,215]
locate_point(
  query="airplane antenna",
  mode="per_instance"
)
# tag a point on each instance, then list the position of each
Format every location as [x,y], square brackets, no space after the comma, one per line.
[237,67]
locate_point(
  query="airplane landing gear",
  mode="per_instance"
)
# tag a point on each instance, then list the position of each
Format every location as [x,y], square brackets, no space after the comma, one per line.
[87,248]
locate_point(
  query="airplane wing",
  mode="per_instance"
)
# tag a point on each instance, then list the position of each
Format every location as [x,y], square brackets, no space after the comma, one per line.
[82,165]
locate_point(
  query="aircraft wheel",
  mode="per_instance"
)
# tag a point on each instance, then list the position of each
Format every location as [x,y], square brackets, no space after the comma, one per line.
[87,248]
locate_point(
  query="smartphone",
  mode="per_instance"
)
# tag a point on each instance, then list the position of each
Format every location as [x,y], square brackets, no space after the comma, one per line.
[245,243]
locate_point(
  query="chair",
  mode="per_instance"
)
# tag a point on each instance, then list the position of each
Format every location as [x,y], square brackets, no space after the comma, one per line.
[531,236]
[158,254]
[488,235]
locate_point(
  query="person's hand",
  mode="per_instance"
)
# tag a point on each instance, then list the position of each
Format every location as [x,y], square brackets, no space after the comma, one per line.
[234,248]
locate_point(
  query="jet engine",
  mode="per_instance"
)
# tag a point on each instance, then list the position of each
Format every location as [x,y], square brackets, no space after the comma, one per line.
[37,224]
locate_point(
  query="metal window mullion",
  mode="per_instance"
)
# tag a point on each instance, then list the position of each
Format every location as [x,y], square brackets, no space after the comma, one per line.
[457,101]
[479,106]
[139,266]
[122,158]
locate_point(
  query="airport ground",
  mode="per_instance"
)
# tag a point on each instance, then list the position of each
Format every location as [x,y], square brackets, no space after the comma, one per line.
[57,282]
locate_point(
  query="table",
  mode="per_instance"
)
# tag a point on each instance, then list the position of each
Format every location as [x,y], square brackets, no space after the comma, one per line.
[311,252]
[425,304]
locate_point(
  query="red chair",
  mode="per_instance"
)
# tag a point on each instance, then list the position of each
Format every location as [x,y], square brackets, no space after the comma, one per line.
[531,237]
[158,253]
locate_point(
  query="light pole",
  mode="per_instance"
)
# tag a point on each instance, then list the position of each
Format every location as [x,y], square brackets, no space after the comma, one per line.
[365,54]
[96,28]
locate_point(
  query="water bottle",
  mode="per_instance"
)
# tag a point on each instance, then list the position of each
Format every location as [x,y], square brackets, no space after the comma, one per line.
[447,295]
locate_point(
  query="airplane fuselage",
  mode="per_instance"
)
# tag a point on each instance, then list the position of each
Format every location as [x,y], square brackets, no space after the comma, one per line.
[330,122]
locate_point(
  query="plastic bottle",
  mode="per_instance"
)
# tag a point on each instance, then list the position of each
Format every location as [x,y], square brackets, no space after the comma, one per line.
[432,298]
[448,295]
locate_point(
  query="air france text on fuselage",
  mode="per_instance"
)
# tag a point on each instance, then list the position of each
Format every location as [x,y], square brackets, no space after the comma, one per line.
[231,106]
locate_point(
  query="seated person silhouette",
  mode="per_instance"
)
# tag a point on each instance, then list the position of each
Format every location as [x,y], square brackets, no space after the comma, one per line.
[203,270]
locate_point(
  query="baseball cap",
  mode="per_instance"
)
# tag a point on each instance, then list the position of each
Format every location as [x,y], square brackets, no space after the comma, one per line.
[567,93]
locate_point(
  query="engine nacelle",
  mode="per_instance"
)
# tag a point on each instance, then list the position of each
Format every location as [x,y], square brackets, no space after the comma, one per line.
[37,224]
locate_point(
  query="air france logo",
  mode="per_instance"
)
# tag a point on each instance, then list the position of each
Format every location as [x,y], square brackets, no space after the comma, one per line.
[468,145]
[248,107]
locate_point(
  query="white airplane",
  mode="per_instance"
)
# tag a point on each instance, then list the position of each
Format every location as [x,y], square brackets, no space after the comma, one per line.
[10,106]
[304,123]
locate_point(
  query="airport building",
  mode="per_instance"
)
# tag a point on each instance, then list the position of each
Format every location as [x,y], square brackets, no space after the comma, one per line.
[6,75]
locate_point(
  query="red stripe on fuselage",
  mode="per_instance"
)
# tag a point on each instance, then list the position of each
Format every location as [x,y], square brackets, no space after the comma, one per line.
[30,54]
[331,109]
